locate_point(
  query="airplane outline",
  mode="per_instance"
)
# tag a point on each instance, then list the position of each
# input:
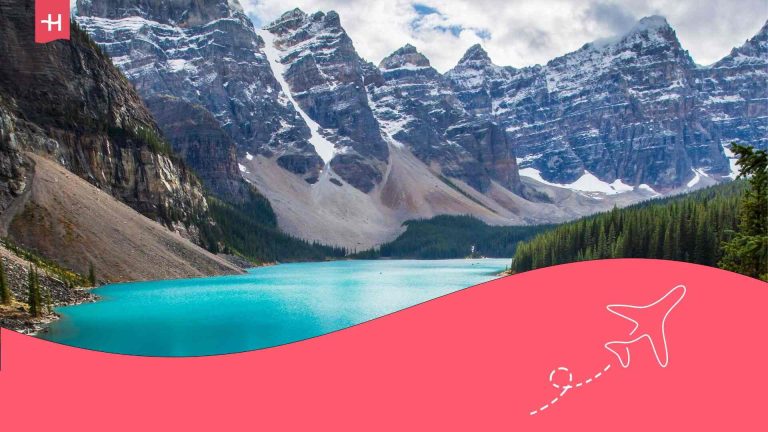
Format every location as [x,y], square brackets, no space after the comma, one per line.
[626,344]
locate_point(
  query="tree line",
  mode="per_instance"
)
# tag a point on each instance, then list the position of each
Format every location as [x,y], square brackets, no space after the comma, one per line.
[250,230]
[724,225]
[444,237]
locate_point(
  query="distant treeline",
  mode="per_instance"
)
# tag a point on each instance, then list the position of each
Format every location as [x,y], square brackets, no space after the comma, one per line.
[453,237]
[250,230]
[688,228]
[724,226]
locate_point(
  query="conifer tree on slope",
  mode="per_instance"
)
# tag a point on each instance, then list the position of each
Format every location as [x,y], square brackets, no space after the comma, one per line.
[34,298]
[91,275]
[747,252]
[6,296]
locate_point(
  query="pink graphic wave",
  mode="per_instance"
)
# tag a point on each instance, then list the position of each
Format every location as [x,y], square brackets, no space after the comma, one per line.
[484,358]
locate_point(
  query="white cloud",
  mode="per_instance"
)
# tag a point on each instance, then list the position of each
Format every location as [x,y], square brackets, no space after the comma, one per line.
[524,32]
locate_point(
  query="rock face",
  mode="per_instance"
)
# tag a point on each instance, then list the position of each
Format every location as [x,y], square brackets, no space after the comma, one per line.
[416,106]
[325,76]
[294,110]
[184,13]
[197,138]
[477,82]
[735,93]
[206,53]
[634,108]
[65,100]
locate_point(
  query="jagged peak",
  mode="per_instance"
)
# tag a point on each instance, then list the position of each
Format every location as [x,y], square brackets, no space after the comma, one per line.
[654,25]
[475,53]
[296,18]
[332,18]
[291,18]
[294,13]
[753,52]
[650,23]
[406,49]
[761,35]
[764,30]
[405,56]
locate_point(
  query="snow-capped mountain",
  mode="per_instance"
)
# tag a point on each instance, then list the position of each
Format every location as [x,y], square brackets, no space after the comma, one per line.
[629,111]
[734,94]
[346,150]
[317,60]
[417,107]
[207,54]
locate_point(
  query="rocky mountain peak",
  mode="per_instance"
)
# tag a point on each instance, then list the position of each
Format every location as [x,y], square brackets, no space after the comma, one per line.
[763,33]
[326,76]
[653,22]
[649,31]
[289,20]
[407,56]
[297,18]
[653,27]
[331,18]
[474,54]
[184,13]
[753,52]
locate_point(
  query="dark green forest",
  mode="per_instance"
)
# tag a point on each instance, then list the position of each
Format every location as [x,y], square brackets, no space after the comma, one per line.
[722,226]
[250,230]
[688,228]
[453,237]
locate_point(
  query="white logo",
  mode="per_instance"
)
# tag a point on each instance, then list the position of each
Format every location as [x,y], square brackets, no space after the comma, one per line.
[649,324]
[654,331]
[50,22]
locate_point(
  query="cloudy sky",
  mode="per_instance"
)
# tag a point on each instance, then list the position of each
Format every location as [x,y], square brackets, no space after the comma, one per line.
[524,32]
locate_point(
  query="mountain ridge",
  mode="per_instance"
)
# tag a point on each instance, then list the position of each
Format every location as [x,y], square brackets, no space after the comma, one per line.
[617,121]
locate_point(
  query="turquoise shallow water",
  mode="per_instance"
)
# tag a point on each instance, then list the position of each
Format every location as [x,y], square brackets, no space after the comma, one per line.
[268,306]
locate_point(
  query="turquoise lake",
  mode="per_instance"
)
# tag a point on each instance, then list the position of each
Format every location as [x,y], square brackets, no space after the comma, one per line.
[266,307]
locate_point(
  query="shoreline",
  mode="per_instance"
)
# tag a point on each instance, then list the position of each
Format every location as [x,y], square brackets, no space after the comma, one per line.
[16,317]
[19,320]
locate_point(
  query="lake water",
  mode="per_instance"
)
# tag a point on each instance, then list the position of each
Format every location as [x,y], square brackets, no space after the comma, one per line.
[268,306]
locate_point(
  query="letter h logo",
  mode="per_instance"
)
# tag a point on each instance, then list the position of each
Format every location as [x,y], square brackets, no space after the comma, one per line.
[51,20]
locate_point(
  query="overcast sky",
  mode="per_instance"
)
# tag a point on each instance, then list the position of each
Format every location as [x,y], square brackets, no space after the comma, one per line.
[523,32]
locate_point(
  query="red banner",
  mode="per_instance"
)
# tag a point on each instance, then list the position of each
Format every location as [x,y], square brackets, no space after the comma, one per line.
[629,345]
[51,20]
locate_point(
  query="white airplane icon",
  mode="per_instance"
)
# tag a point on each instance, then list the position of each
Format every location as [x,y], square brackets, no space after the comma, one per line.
[649,323]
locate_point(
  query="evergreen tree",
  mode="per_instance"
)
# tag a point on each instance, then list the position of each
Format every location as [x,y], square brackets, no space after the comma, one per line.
[747,251]
[34,299]
[91,275]
[48,301]
[6,296]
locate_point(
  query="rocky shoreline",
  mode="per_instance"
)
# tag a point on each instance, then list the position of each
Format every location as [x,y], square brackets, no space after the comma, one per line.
[16,315]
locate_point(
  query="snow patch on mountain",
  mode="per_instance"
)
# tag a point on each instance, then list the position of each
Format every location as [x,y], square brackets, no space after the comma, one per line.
[586,183]
[647,188]
[324,148]
[698,175]
[732,162]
